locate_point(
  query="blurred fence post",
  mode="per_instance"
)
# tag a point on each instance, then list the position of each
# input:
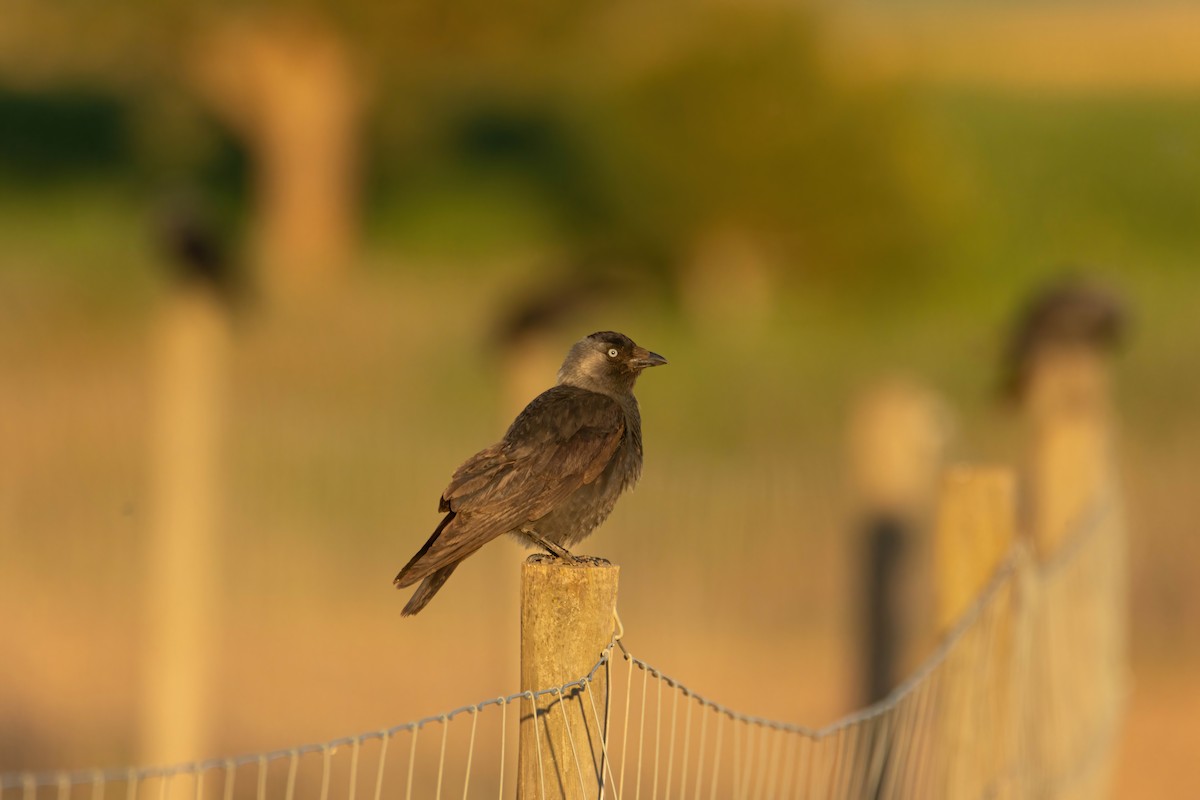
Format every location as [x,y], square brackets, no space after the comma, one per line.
[1071,463]
[1077,532]
[975,530]
[978,721]
[192,344]
[566,623]
[898,433]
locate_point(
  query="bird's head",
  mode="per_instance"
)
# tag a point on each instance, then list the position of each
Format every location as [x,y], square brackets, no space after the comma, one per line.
[606,362]
[1071,314]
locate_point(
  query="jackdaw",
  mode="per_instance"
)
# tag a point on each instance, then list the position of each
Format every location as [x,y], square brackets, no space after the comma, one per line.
[557,472]
[1071,312]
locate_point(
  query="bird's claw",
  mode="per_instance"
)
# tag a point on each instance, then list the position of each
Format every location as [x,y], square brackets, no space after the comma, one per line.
[556,550]
[565,555]
[559,552]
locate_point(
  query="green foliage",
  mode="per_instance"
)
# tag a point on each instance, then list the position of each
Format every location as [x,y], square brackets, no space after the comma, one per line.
[632,157]
[51,135]
[1086,177]
[625,133]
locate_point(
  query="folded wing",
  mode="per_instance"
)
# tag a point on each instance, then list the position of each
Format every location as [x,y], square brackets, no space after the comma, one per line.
[564,439]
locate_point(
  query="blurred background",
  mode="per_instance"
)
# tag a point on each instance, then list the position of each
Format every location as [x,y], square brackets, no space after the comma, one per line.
[269,274]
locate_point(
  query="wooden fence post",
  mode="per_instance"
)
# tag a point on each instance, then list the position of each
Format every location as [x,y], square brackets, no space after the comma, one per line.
[566,623]
[181,562]
[898,433]
[979,714]
[1071,463]
[975,531]
[1077,532]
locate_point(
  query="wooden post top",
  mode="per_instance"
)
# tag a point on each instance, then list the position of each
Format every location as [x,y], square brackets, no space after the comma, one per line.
[566,617]
[975,530]
[1071,464]
[567,612]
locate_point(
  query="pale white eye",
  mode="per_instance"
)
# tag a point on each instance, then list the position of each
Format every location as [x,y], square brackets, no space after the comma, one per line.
[612,352]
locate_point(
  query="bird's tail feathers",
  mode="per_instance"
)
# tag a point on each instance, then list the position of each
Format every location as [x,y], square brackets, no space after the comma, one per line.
[404,578]
[428,589]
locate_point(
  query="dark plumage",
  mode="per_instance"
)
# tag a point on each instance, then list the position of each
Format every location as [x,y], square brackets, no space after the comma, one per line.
[555,475]
[196,252]
[1071,312]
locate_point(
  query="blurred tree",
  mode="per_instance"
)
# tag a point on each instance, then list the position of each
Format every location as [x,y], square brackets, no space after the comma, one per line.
[281,80]
[288,86]
[651,138]
[707,154]
[50,135]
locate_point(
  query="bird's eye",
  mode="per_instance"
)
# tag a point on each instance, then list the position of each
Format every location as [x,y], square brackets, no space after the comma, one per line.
[612,352]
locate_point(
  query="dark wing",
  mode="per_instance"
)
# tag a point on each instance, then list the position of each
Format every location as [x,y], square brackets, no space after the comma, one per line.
[561,441]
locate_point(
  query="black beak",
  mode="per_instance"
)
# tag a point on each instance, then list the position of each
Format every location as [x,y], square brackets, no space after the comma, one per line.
[643,358]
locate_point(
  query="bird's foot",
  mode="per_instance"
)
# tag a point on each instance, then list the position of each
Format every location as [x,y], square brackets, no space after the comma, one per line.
[560,552]
[556,550]
[573,560]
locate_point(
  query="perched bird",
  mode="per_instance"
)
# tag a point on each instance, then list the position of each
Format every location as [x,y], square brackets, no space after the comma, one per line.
[197,253]
[1071,312]
[557,472]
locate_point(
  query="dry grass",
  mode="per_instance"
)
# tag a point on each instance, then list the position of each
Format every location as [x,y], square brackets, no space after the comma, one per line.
[737,570]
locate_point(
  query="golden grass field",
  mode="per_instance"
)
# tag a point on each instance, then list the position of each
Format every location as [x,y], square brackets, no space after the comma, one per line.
[345,416]
[344,421]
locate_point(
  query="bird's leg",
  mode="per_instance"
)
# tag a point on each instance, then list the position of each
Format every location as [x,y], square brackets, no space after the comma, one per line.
[558,551]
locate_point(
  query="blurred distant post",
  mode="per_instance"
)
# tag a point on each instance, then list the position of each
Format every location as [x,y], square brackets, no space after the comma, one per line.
[730,283]
[288,86]
[1059,361]
[976,526]
[898,434]
[535,322]
[530,363]
[1056,368]
[978,723]
[190,365]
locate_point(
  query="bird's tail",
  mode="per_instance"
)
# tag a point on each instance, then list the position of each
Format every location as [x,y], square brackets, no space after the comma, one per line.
[406,577]
[428,589]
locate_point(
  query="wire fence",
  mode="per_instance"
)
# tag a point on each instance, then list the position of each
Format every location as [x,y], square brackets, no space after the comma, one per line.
[1023,698]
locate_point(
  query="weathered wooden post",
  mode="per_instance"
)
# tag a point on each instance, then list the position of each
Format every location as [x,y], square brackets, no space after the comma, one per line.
[979,713]
[567,613]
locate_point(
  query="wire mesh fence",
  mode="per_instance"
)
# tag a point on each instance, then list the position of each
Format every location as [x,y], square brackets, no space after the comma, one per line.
[1023,698]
